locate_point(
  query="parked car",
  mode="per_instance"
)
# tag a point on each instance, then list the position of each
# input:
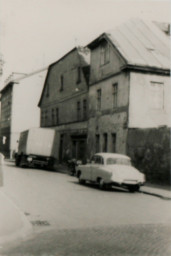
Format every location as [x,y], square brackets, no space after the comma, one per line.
[107,169]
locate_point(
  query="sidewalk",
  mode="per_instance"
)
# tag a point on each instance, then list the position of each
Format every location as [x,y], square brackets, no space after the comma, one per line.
[13,223]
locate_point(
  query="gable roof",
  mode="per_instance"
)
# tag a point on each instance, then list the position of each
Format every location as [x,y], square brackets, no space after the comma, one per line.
[140,43]
[84,55]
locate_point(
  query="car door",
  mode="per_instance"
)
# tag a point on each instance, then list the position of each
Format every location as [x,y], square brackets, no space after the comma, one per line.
[95,170]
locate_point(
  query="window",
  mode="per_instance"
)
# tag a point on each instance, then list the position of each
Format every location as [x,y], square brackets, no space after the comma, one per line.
[53,117]
[104,54]
[105,142]
[115,95]
[113,142]
[57,116]
[62,83]
[97,143]
[78,75]
[78,110]
[99,99]
[46,117]
[84,109]
[156,97]
[98,160]
[47,90]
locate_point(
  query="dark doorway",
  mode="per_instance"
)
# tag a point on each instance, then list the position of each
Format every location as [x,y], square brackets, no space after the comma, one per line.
[79,147]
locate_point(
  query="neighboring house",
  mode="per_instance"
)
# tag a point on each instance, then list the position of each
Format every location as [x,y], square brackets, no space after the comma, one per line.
[129,96]
[64,103]
[19,111]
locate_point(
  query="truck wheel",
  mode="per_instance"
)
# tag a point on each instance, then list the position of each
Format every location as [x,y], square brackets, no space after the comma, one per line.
[17,161]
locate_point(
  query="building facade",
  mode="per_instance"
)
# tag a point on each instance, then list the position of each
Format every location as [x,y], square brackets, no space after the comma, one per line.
[129,96]
[6,110]
[64,104]
[19,111]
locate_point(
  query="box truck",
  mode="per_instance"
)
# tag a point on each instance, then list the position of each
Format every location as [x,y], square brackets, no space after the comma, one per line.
[35,148]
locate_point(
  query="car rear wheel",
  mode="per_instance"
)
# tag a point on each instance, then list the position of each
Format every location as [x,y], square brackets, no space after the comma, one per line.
[101,184]
[134,188]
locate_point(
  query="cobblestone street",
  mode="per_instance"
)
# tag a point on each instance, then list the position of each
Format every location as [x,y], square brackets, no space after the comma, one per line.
[139,240]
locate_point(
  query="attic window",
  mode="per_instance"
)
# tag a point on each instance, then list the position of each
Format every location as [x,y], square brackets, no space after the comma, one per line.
[104,53]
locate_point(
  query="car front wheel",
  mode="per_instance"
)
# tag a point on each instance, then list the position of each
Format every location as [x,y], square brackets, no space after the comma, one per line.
[81,181]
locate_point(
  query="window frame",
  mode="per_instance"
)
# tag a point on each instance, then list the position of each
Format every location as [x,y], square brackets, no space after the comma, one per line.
[99,98]
[97,143]
[85,109]
[52,116]
[105,142]
[57,115]
[78,110]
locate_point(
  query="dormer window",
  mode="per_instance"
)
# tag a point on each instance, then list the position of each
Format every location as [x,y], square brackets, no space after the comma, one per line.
[104,53]
[61,83]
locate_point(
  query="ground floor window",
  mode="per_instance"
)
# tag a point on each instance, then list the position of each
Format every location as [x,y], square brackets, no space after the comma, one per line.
[105,142]
[114,142]
[97,143]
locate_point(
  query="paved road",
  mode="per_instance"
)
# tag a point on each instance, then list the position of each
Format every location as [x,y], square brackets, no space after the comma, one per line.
[70,219]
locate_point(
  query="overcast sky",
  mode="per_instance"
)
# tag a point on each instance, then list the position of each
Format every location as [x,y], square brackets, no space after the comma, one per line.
[35,33]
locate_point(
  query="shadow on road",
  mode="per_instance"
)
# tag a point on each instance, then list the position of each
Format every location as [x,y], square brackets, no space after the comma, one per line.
[95,186]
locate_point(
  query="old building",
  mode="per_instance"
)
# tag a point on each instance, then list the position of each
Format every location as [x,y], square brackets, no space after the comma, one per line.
[129,96]
[64,103]
[19,111]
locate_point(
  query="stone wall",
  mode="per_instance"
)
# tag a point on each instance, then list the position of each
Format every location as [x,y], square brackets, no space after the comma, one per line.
[150,152]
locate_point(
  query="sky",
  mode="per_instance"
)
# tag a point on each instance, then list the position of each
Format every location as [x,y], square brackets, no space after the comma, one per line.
[36,33]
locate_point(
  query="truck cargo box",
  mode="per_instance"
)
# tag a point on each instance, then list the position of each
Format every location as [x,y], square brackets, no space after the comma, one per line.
[35,148]
[37,141]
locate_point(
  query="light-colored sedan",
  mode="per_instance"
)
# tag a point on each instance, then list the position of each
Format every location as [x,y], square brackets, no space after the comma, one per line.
[109,169]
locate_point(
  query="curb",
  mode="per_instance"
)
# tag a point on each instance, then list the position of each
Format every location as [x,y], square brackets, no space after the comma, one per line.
[155,194]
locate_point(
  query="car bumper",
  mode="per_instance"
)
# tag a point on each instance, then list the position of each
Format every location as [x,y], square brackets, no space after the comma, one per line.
[127,183]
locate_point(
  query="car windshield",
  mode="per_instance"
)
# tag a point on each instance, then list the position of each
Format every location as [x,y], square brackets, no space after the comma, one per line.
[122,161]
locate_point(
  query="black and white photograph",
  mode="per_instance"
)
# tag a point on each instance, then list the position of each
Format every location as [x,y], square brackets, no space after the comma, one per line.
[85,128]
